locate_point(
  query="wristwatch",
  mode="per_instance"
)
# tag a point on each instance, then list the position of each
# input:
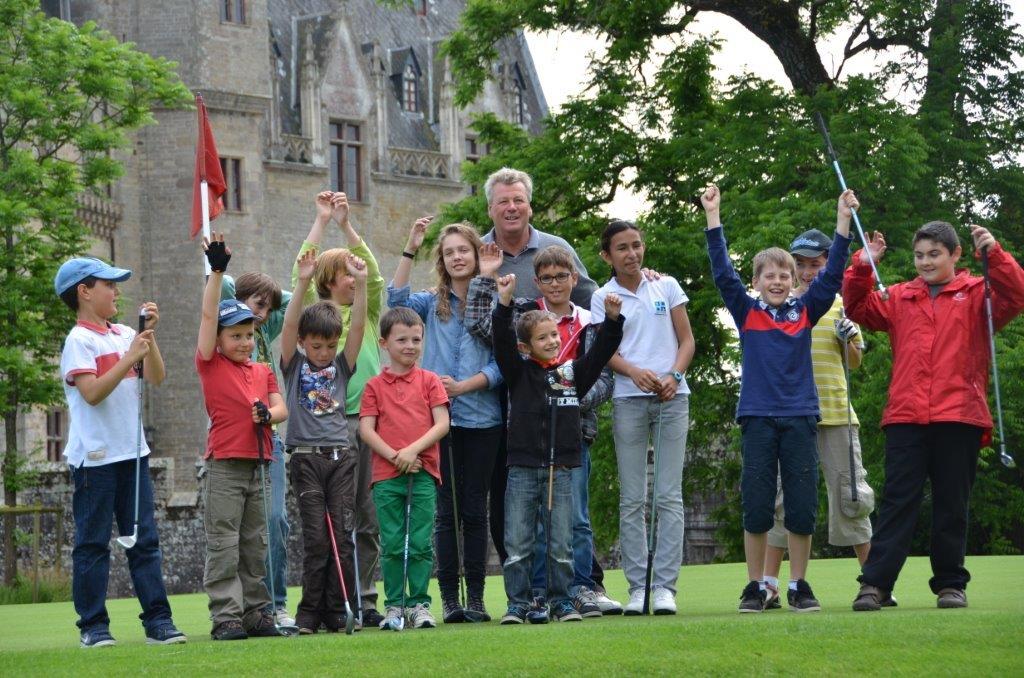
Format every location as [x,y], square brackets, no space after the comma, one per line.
[678,376]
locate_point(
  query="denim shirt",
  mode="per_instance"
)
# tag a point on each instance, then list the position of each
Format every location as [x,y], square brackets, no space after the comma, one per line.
[449,349]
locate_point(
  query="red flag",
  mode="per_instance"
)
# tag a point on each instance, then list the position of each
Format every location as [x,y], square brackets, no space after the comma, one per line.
[207,167]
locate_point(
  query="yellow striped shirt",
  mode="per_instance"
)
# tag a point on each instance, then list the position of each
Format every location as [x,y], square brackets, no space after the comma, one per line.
[827,358]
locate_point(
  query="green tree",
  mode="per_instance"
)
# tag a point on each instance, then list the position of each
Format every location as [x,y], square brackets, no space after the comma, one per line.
[654,119]
[68,97]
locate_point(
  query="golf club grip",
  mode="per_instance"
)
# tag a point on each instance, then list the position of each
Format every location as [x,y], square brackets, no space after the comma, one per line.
[819,120]
[142,328]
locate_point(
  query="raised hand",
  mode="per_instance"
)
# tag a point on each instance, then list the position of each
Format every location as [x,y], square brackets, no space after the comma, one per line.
[356,267]
[307,265]
[490,258]
[339,208]
[506,288]
[982,238]
[217,253]
[417,233]
[323,206]
[876,245]
[847,203]
[612,306]
[711,201]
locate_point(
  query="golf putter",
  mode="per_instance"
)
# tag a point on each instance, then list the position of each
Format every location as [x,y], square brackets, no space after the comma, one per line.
[467,616]
[1004,456]
[651,536]
[350,619]
[286,631]
[849,411]
[823,128]
[128,541]
[405,556]
[355,564]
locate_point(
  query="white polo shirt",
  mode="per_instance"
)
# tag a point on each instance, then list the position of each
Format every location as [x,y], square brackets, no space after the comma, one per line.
[648,338]
[104,433]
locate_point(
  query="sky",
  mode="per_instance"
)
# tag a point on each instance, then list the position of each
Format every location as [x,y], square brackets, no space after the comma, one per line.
[740,52]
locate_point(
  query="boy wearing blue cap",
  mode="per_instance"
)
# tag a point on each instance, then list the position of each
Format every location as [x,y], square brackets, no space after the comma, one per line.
[242,400]
[98,370]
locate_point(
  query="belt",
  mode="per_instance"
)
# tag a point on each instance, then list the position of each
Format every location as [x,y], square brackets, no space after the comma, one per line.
[332,452]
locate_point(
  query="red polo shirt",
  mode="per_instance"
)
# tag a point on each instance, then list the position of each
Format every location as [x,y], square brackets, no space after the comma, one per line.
[229,389]
[402,404]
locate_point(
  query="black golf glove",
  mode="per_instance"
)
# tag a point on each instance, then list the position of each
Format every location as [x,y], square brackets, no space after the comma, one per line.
[218,255]
[262,411]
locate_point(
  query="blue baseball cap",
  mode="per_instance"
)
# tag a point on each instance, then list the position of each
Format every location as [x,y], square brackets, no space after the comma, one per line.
[810,243]
[232,312]
[74,271]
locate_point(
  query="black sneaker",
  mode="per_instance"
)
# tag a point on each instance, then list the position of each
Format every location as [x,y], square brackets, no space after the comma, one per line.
[371,617]
[565,612]
[265,627]
[98,637]
[585,602]
[752,598]
[538,613]
[516,614]
[887,600]
[475,609]
[451,611]
[229,630]
[802,599]
[165,634]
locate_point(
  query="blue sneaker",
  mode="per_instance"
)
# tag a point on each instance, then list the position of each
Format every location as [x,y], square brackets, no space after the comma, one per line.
[516,614]
[98,637]
[538,613]
[165,634]
[564,611]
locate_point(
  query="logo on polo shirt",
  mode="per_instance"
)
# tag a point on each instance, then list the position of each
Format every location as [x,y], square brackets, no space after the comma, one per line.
[660,307]
[793,315]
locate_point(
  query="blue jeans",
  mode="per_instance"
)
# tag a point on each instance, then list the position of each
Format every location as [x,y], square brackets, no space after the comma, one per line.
[103,493]
[582,534]
[526,494]
[279,528]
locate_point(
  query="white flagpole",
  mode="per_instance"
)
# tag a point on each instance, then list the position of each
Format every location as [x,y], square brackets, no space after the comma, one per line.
[204,199]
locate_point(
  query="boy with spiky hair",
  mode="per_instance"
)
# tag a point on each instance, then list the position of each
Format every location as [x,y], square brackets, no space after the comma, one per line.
[98,370]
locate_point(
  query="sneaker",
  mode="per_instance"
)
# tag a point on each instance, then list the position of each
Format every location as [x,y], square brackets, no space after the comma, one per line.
[772,599]
[98,637]
[420,617]
[371,617]
[802,599]
[752,598]
[606,604]
[229,630]
[664,601]
[635,605]
[565,612]
[265,627]
[538,613]
[585,602]
[516,614]
[868,599]
[392,620]
[476,611]
[283,618]
[951,598]
[451,611]
[165,634]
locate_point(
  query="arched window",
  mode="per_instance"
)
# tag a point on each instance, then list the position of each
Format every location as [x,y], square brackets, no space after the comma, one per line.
[518,104]
[410,82]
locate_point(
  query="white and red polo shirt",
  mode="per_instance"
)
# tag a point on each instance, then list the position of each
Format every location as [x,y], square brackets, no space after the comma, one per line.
[104,433]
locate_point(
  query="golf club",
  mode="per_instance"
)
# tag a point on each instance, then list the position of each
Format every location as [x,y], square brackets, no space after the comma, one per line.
[129,540]
[542,617]
[467,615]
[651,538]
[355,564]
[849,410]
[284,630]
[823,128]
[350,619]
[1004,456]
[400,624]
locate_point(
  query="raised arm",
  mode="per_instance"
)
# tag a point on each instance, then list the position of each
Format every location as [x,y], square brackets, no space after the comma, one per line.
[218,254]
[305,265]
[863,304]
[1006,276]
[506,354]
[412,246]
[730,287]
[588,368]
[357,317]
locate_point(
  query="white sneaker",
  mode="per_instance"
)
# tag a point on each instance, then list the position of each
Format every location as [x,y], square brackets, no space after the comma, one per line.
[283,618]
[635,605]
[664,601]
[420,617]
[607,605]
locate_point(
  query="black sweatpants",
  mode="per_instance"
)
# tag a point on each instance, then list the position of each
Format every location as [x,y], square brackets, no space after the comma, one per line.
[946,454]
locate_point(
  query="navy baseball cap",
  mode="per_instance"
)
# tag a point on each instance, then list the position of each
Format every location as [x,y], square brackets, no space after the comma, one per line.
[232,312]
[810,243]
[74,271]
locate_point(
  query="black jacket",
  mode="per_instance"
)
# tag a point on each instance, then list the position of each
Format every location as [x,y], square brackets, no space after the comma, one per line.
[536,394]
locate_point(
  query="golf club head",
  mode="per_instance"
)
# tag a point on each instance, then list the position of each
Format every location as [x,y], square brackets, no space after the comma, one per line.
[1007,460]
[350,620]
[128,541]
[397,624]
[287,631]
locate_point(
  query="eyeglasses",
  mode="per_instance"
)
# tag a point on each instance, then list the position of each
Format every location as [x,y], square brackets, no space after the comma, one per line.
[548,279]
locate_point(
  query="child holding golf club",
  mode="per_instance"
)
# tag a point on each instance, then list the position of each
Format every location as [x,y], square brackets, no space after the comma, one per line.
[650,405]
[544,443]
[470,377]
[937,416]
[242,400]
[403,415]
[107,453]
[323,459]
[331,281]
[555,275]
[835,350]
[778,408]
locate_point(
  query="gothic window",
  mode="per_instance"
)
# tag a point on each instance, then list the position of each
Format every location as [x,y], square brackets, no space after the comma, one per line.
[410,101]
[346,159]
[232,169]
[233,11]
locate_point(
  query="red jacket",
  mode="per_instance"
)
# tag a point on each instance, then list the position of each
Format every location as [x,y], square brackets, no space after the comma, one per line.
[940,350]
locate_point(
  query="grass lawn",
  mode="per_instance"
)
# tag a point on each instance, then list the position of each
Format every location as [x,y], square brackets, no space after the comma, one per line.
[708,636]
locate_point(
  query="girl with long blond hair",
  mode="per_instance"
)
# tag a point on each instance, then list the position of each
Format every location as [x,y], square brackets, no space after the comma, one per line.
[470,376]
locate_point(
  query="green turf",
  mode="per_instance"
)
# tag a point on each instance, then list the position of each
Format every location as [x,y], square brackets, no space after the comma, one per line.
[707,637]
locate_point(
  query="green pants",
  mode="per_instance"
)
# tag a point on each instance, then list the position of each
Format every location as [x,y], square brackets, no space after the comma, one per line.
[389,496]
